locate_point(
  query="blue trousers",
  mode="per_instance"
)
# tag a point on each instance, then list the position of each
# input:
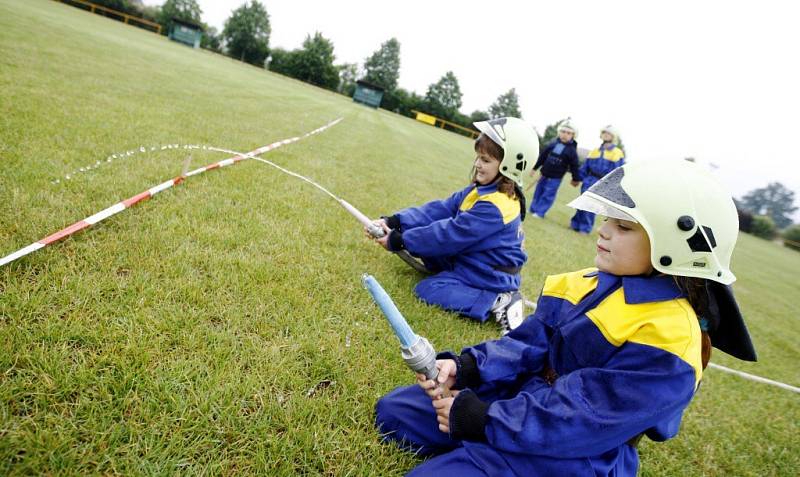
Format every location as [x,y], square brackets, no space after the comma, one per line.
[448,291]
[406,417]
[583,221]
[544,195]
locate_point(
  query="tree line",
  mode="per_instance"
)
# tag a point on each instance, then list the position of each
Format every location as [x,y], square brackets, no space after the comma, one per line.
[763,212]
[245,37]
[766,212]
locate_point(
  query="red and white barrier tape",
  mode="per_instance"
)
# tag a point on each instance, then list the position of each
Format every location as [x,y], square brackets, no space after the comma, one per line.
[130,202]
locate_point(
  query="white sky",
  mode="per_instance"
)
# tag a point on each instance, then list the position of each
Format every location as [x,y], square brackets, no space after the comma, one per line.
[714,80]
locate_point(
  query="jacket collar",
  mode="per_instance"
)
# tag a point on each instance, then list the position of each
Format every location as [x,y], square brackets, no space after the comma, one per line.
[640,289]
[488,188]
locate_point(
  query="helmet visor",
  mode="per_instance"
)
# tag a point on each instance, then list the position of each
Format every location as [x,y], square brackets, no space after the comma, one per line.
[590,203]
[488,129]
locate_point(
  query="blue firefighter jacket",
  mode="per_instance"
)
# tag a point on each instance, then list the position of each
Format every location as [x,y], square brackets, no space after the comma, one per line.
[600,162]
[557,157]
[627,353]
[478,228]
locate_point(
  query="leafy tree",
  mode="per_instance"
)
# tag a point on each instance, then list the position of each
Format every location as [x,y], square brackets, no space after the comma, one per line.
[246,33]
[550,133]
[774,200]
[791,237]
[148,12]
[402,102]
[280,61]
[479,115]
[348,74]
[131,7]
[383,67]
[125,6]
[461,119]
[187,10]
[507,104]
[763,226]
[314,63]
[210,39]
[444,97]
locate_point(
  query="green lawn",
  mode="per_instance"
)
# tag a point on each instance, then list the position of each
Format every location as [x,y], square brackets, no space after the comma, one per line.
[184,335]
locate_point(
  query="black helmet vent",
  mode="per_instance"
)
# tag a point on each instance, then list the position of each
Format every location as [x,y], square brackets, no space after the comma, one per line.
[698,243]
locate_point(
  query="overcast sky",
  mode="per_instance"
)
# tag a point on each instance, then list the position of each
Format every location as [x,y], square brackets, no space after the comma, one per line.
[714,80]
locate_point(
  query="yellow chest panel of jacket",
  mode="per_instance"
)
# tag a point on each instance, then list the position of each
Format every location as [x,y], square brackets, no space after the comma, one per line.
[613,155]
[669,325]
[508,207]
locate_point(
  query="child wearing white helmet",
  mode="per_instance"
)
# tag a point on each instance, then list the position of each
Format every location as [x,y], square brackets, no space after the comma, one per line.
[557,157]
[472,240]
[612,353]
[598,163]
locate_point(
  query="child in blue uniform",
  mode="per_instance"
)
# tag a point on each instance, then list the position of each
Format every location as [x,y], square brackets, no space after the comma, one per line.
[598,163]
[472,240]
[558,156]
[611,354]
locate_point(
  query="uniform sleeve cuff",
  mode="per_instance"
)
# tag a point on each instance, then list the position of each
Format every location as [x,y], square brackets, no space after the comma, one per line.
[468,417]
[396,241]
[468,375]
[393,222]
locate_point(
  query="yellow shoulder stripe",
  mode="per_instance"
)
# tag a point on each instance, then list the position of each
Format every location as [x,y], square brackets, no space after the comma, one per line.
[668,325]
[614,155]
[571,286]
[594,154]
[508,207]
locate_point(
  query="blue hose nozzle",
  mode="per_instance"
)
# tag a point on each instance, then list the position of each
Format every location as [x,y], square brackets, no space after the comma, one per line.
[399,324]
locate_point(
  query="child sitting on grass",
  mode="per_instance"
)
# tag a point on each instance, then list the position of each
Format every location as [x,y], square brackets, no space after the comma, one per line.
[472,240]
[611,354]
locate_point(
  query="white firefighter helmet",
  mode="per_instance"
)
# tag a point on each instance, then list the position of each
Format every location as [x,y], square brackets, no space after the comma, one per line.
[611,130]
[520,143]
[690,218]
[692,224]
[567,125]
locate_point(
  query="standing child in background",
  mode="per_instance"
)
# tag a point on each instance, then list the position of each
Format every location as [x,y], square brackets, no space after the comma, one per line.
[611,354]
[558,156]
[598,163]
[472,240]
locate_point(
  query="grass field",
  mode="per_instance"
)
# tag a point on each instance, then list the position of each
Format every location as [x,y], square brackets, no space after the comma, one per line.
[184,335]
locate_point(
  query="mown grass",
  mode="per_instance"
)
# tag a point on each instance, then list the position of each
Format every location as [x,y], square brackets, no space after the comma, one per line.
[221,327]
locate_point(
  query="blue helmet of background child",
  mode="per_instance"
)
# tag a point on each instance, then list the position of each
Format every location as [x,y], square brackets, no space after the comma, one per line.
[520,143]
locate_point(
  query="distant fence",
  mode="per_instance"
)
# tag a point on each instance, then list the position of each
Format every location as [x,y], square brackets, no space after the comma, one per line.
[114,14]
[791,244]
[441,123]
